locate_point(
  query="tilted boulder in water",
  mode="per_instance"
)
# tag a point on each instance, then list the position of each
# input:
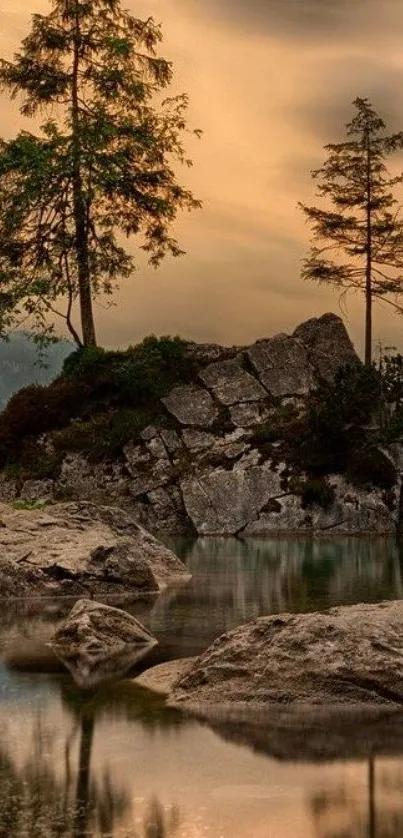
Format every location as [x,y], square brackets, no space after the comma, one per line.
[345,657]
[97,642]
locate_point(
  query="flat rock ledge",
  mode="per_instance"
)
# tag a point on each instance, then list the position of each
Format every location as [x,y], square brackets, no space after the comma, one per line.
[97,642]
[77,548]
[161,678]
[347,657]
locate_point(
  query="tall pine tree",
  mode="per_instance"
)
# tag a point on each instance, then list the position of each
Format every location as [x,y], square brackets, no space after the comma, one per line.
[361,228]
[102,166]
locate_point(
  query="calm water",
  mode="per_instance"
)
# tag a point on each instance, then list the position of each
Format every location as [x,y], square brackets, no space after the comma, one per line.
[119,764]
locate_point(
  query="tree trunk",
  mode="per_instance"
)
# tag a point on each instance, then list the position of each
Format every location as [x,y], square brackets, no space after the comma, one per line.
[368,266]
[79,208]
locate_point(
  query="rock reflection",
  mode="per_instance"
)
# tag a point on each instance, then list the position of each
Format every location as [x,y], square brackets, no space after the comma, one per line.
[378,813]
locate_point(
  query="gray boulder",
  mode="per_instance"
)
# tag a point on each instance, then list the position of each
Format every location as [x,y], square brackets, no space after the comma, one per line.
[282,365]
[191,405]
[232,384]
[344,657]
[97,642]
[327,343]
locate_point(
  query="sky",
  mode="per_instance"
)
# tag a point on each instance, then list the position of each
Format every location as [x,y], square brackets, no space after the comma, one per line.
[270,83]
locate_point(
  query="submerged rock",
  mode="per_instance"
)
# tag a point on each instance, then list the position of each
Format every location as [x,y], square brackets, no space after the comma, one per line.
[344,657]
[97,642]
[74,548]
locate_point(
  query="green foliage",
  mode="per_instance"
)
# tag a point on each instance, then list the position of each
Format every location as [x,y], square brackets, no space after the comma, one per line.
[336,415]
[280,426]
[104,436]
[103,166]
[138,376]
[29,504]
[317,491]
[102,400]
[336,435]
[358,236]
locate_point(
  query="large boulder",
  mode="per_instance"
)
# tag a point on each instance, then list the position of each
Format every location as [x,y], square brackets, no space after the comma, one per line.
[327,343]
[97,642]
[74,548]
[231,383]
[344,657]
[191,405]
[282,365]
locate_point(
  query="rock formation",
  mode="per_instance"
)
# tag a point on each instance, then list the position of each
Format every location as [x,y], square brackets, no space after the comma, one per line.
[207,468]
[342,658]
[98,642]
[77,548]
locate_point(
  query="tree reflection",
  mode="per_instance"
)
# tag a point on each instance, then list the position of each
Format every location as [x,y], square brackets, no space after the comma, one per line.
[338,813]
[53,793]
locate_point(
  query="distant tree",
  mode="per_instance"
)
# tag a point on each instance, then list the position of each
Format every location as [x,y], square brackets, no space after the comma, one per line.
[101,168]
[361,224]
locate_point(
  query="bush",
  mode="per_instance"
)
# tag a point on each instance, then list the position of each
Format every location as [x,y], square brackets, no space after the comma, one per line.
[104,436]
[103,390]
[138,376]
[31,461]
[34,411]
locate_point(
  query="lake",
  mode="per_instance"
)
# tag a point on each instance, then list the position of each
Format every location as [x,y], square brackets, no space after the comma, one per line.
[117,763]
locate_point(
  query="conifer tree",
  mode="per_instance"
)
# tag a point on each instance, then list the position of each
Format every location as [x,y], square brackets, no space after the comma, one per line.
[101,168]
[360,224]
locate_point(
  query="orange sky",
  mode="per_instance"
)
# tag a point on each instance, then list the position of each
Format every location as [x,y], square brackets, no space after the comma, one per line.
[270,81]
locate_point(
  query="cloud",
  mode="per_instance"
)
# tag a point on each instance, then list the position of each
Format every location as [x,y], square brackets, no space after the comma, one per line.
[302,19]
[329,86]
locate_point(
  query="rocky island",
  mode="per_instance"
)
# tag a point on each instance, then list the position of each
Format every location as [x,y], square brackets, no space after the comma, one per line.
[209,440]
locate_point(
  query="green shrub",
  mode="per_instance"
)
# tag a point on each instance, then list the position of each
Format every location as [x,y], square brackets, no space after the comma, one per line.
[29,504]
[104,436]
[31,461]
[95,384]
[317,491]
[85,362]
[138,376]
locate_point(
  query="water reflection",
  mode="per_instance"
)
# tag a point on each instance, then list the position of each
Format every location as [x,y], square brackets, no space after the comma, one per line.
[54,792]
[117,763]
[373,810]
[233,582]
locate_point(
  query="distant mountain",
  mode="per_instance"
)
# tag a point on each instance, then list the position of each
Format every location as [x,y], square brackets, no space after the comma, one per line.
[19,364]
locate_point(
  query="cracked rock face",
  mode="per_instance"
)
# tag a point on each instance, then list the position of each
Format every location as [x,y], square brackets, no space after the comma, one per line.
[232,384]
[282,365]
[211,468]
[223,502]
[327,343]
[191,405]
